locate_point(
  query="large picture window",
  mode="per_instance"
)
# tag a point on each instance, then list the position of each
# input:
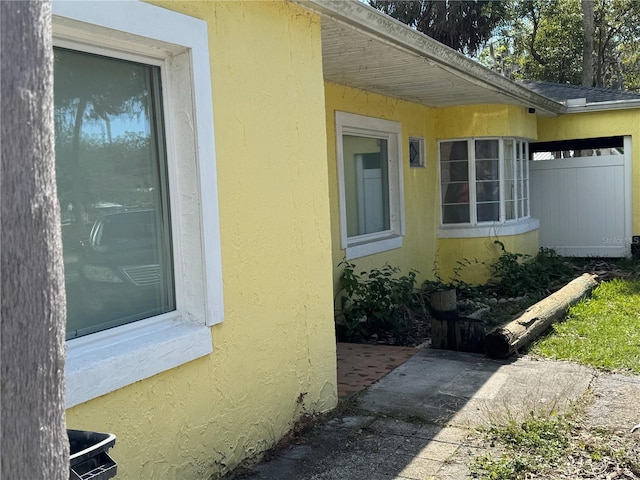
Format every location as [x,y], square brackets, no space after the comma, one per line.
[113,191]
[484,181]
[370,172]
[137,187]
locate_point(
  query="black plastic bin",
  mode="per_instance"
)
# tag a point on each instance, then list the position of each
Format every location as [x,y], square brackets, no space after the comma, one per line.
[89,459]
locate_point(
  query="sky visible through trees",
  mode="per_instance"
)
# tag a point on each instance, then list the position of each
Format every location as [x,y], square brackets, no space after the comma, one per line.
[536,39]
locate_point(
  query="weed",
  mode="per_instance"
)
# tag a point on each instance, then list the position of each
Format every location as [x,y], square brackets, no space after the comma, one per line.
[539,436]
[512,275]
[463,289]
[503,468]
[382,305]
[529,447]
[548,445]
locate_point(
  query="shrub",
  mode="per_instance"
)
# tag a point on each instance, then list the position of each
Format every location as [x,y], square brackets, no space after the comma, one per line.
[515,274]
[375,304]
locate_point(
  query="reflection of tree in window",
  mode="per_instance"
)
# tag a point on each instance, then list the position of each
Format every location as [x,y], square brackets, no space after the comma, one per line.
[105,131]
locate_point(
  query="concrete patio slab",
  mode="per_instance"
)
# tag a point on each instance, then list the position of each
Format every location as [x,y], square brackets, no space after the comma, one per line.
[416,422]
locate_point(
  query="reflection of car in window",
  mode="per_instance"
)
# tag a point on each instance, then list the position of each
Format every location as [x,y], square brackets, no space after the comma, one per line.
[125,269]
[123,247]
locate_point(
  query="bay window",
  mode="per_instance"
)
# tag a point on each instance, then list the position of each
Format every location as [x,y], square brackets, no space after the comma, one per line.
[483,181]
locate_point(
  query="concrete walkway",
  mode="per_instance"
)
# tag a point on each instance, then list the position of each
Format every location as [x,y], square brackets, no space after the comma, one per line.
[415,422]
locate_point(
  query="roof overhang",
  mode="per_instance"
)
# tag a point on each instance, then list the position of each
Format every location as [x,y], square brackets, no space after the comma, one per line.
[604,106]
[366,49]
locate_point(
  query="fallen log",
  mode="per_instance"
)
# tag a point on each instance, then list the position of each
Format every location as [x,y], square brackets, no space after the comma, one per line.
[508,338]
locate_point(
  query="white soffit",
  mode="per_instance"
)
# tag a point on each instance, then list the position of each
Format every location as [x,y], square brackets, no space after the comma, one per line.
[365,49]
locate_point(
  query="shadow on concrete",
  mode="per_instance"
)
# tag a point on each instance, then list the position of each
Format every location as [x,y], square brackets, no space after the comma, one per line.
[414,423]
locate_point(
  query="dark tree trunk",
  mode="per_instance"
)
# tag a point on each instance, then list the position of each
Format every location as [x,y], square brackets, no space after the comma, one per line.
[34,441]
[587,47]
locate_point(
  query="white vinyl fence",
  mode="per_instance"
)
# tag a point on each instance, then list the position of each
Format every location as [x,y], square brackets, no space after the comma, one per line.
[584,204]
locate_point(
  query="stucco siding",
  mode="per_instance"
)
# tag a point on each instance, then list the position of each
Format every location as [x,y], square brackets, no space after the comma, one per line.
[274,354]
[420,184]
[485,121]
[477,254]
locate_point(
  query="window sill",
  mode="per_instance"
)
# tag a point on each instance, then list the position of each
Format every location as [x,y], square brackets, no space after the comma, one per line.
[106,361]
[494,229]
[371,247]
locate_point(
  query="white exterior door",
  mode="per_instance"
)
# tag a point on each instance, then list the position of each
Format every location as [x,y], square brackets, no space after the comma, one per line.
[584,204]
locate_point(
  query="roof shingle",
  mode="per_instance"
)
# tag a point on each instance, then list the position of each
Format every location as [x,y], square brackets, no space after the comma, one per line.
[562,92]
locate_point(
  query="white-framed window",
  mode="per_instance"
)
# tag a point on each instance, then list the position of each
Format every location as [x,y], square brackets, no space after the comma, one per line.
[484,182]
[370,184]
[416,152]
[137,186]
[113,189]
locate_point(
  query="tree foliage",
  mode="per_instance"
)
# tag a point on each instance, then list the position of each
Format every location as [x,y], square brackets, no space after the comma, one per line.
[545,40]
[462,25]
[536,39]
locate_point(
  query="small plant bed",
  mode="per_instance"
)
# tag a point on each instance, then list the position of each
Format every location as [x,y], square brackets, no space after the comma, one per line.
[386,306]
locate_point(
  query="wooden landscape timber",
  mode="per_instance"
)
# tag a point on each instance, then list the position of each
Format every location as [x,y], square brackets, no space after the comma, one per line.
[461,334]
[444,302]
[450,331]
[510,337]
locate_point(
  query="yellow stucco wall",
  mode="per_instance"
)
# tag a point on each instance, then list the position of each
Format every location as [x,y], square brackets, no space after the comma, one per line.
[421,249]
[600,124]
[476,254]
[420,184]
[274,354]
[485,121]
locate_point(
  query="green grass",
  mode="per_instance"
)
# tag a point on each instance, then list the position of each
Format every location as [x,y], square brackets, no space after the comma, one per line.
[602,331]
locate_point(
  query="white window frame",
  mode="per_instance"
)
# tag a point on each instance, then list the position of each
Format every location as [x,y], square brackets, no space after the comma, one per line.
[504,227]
[421,152]
[105,361]
[360,125]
